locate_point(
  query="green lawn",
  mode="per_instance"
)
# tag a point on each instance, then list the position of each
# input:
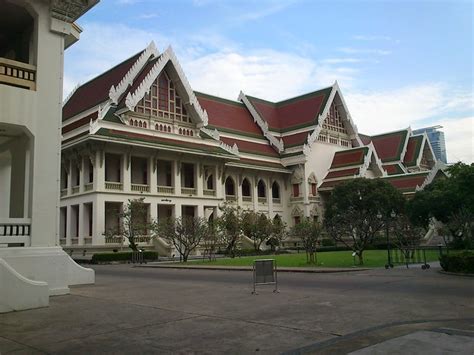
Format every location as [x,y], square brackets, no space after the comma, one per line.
[372,258]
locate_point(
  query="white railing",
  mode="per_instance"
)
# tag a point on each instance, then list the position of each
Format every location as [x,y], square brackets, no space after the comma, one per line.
[140,188]
[231,197]
[188,191]
[113,185]
[276,200]
[88,240]
[262,200]
[114,240]
[165,190]
[207,192]
[15,230]
[88,186]
[247,198]
[63,192]
[17,74]
[296,199]
[75,190]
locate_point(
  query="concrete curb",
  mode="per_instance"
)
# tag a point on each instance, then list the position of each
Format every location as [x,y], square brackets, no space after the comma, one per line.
[249,268]
[455,273]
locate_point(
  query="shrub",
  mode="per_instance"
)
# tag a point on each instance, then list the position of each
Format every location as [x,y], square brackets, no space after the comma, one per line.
[121,256]
[327,242]
[462,262]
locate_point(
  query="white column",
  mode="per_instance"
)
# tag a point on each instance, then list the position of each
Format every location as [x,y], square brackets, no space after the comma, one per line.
[26,196]
[126,172]
[199,179]
[305,191]
[81,222]
[200,210]
[152,175]
[69,178]
[81,174]
[98,221]
[219,186]
[99,171]
[177,178]
[238,190]
[255,194]
[153,212]
[68,225]
[270,197]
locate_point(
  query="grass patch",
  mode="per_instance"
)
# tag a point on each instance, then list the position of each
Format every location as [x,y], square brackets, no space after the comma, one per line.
[372,258]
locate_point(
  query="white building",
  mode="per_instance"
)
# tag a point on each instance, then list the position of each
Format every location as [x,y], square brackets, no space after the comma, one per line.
[139,130]
[33,37]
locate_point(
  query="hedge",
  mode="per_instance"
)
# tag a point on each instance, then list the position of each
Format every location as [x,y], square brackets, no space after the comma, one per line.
[462,262]
[122,256]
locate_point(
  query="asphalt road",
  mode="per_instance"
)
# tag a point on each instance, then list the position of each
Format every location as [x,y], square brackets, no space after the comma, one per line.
[142,310]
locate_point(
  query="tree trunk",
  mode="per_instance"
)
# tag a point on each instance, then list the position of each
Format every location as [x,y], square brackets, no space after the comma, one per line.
[361,257]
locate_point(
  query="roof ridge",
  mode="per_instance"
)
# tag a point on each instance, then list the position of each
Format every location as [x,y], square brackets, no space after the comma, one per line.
[219,98]
[302,96]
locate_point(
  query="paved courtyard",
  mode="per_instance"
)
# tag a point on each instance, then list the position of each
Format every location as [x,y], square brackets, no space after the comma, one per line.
[142,310]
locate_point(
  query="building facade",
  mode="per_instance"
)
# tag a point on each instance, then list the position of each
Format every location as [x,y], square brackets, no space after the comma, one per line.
[139,130]
[33,37]
[436,138]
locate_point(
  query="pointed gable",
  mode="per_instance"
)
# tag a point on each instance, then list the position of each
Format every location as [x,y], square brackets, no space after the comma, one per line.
[414,148]
[290,114]
[407,183]
[96,90]
[390,146]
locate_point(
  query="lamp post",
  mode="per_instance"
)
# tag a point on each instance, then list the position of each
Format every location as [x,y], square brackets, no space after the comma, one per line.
[389,256]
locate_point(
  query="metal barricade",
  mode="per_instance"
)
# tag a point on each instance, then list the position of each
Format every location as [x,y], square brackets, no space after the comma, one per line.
[137,257]
[265,273]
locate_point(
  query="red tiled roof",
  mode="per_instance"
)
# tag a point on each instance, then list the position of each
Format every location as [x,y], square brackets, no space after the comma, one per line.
[393,169]
[295,139]
[292,113]
[349,157]
[365,138]
[413,150]
[97,90]
[261,163]
[407,183]
[79,123]
[389,146]
[331,184]
[228,115]
[342,173]
[251,147]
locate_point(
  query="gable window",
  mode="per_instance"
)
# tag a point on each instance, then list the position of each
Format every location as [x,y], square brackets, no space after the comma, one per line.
[296,190]
[163,101]
[333,120]
[313,189]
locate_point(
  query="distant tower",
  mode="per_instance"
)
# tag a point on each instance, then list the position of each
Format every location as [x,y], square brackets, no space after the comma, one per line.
[436,139]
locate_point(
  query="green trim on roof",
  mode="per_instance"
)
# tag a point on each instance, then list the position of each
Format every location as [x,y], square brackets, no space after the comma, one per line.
[419,143]
[238,133]
[182,144]
[110,116]
[400,147]
[292,154]
[220,99]
[354,164]
[405,176]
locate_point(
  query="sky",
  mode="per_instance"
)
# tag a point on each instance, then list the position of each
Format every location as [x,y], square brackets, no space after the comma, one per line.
[398,63]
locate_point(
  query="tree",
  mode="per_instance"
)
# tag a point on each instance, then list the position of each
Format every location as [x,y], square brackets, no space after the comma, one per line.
[449,200]
[406,236]
[133,222]
[353,211]
[279,233]
[257,227]
[309,231]
[211,241]
[185,233]
[229,227]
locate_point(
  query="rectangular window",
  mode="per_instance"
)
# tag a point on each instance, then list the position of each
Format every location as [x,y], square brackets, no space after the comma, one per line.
[313,189]
[296,190]
[297,220]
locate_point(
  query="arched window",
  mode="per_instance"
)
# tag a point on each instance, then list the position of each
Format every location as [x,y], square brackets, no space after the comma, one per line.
[144,124]
[246,190]
[192,134]
[156,126]
[180,131]
[275,190]
[229,187]
[261,189]
[140,124]
[136,123]
[131,122]
[210,182]
[169,129]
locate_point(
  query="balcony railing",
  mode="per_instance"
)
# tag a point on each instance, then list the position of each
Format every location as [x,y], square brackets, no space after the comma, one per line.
[17,74]
[231,197]
[296,199]
[63,192]
[62,241]
[276,201]
[247,198]
[113,185]
[169,190]
[88,186]
[75,190]
[188,191]
[314,198]
[262,200]
[113,240]
[15,230]
[207,192]
[140,188]
[88,240]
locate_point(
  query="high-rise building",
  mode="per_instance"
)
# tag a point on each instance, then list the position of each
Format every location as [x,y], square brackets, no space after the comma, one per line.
[436,139]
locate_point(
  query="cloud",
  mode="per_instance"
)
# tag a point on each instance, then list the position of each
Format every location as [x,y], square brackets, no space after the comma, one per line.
[371,38]
[351,50]
[148,16]
[341,60]
[459,133]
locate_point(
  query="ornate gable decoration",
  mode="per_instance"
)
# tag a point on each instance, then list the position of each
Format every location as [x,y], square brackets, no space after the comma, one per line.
[168,55]
[296,212]
[116,91]
[298,175]
[312,178]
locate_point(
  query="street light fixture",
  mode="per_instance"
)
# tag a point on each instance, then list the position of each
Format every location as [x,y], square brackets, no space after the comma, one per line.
[389,256]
